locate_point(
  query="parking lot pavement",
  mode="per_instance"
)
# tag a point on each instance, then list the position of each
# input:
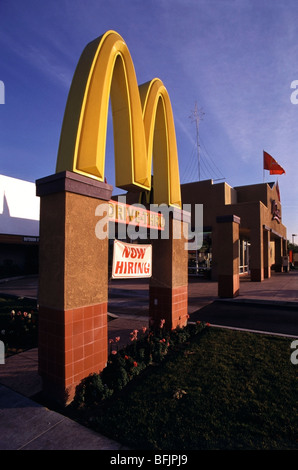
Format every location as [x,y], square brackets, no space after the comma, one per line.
[267,317]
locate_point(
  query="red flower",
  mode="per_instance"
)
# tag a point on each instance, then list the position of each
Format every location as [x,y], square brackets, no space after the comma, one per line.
[126,357]
[135,364]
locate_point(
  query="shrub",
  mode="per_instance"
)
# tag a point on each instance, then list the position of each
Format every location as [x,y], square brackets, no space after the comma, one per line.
[145,348]
[91,391]
[21,330]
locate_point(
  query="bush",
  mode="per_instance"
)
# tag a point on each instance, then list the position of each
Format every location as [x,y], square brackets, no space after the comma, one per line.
[146,348]
[20,331]
[91,391]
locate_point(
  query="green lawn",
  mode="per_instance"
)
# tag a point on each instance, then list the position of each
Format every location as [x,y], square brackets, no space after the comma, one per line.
[221,390]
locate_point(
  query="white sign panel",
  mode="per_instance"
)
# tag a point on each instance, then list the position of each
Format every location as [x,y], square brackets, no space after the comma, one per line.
[19,207]
[131,260]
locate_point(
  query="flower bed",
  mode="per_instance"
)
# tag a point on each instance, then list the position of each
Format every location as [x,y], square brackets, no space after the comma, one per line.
[147,347]
[20,331]
[219,390]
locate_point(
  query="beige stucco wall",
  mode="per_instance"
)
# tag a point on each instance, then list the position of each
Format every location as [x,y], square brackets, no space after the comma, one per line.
[251,203]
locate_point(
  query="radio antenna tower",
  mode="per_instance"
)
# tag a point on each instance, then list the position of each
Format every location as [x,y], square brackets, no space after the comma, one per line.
[197,116]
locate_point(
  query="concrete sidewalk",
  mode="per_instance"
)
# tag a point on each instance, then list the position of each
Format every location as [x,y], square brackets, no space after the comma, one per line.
[26,425]
[270,306]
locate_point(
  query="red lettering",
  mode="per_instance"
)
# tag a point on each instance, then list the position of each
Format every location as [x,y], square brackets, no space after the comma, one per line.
[141,252]
[130,268]
[147,268]
[126,252]
[119,267]
[133,252]
[140,268]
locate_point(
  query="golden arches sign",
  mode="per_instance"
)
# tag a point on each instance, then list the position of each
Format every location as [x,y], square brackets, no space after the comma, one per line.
[142,121]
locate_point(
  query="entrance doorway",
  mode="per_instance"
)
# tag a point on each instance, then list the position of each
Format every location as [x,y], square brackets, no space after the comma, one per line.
[244,249]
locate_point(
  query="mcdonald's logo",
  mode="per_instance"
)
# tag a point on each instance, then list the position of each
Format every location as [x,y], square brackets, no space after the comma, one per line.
[143,123]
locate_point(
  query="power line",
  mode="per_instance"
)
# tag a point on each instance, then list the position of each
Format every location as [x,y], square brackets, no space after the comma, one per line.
[196,116]
[189,169]
[212,161]
[200,156]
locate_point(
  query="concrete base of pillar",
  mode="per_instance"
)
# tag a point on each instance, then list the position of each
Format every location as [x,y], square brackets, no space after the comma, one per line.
[228,286]
[170,304]
[267,273]
[256,275]
[71,346]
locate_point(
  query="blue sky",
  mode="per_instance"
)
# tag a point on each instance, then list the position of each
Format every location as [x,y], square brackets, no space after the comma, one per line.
[235,58]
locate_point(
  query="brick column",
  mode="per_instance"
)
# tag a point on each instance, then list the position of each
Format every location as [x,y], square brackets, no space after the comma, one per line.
[228,255]
[266,252]
[278,255]
[285,253]
[257,255]
[168,290]
[73,283]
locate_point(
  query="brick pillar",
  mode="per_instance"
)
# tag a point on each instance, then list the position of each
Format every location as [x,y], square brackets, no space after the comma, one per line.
[257,255]
[168,290]
[228,255]
[266,252]
[278,255]
[285,253]
[73,283]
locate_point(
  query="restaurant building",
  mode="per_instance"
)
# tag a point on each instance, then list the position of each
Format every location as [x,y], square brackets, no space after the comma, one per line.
[19,227]
[254,215]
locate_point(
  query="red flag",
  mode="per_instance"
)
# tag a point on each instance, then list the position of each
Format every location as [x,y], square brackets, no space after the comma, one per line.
[272,165]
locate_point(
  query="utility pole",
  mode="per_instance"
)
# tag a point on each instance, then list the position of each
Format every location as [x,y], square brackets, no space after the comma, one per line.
[196,116]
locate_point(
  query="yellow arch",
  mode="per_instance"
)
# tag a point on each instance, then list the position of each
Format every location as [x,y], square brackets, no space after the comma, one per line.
[161,141]
[142,122]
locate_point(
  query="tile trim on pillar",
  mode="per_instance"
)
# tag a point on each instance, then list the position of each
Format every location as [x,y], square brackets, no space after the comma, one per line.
[228,264]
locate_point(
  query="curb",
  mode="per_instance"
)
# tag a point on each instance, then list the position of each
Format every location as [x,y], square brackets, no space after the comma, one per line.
[261,303]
